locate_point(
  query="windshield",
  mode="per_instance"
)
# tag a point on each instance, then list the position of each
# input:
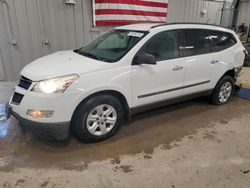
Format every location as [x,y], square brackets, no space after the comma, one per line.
[112,46]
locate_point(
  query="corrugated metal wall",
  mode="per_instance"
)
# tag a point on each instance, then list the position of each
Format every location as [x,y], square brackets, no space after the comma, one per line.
[190,11]
[244,12]
[33,28]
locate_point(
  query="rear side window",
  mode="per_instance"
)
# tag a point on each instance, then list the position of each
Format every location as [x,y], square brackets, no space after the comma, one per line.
[222,40]
[197,42]
[163,46]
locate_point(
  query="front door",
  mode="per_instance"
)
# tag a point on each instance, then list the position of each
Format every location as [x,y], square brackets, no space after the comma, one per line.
[154,83]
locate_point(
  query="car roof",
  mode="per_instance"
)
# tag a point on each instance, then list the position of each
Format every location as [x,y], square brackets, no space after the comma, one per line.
[174,25]
[138,26]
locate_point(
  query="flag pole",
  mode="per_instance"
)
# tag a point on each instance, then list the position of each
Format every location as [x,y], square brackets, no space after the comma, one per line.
[93,9]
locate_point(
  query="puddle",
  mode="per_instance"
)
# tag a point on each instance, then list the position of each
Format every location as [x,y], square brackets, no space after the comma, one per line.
[143,133]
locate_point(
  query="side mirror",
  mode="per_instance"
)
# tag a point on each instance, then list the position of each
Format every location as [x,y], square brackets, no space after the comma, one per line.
[144,58]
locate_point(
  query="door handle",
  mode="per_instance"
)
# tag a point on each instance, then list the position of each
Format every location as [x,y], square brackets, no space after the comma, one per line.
[214,61]
[178,67]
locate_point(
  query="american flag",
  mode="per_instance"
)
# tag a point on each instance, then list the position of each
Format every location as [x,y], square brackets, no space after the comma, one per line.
[119,12]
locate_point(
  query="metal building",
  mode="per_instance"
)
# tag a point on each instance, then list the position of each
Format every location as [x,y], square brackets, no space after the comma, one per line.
[30,29]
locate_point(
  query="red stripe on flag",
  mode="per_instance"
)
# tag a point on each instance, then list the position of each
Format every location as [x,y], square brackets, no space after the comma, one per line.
[134,2]
[129,12]
[120,22]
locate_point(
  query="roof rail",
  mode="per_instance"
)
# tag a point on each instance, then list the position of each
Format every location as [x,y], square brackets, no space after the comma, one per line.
[175,23]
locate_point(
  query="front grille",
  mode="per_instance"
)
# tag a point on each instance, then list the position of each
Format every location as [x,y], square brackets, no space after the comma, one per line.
[17,98]
[25,83]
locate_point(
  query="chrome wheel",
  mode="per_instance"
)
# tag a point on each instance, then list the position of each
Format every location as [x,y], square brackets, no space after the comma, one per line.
[101,120]
[225,92]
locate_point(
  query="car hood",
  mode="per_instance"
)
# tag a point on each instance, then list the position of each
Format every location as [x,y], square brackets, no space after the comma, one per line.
[60,64]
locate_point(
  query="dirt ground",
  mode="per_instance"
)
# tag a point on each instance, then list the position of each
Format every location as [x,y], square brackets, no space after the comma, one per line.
[193,144]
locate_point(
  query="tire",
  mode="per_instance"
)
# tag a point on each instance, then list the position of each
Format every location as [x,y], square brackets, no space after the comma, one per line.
[220,96]
[91,118]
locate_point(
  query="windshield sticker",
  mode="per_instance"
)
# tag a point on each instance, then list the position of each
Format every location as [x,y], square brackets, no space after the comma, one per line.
[135,34]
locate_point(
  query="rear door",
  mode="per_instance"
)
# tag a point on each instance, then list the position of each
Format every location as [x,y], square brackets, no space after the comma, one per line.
[227,53]
[198,60]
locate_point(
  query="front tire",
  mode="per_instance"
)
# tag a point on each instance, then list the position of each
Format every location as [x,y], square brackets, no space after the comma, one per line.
[98,119]
[223,91]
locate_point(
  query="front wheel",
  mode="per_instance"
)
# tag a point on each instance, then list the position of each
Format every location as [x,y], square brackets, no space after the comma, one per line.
[223,91]
[98,119]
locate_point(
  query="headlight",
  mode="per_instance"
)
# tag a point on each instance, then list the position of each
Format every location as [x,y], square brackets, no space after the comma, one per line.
[55,85]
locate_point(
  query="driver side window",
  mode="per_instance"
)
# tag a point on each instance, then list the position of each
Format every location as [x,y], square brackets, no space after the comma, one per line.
[163,46]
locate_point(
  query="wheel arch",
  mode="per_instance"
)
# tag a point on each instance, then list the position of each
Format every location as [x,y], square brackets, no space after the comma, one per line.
[113,93]
[215,92]
[230,73]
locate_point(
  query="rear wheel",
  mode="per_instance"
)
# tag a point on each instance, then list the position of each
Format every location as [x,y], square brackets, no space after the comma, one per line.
[223,91]
[98,119]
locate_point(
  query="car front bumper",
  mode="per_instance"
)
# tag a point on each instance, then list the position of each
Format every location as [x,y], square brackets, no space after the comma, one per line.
[55,127]
[51,131]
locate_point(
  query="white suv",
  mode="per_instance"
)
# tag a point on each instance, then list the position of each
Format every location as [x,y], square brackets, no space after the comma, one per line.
[92,90]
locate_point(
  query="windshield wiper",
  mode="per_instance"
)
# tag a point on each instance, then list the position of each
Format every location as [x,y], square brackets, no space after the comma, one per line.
[90,55]
[77,51]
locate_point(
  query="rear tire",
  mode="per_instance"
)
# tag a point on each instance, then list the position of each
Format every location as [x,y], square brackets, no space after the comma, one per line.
[223,91]
[98,119]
